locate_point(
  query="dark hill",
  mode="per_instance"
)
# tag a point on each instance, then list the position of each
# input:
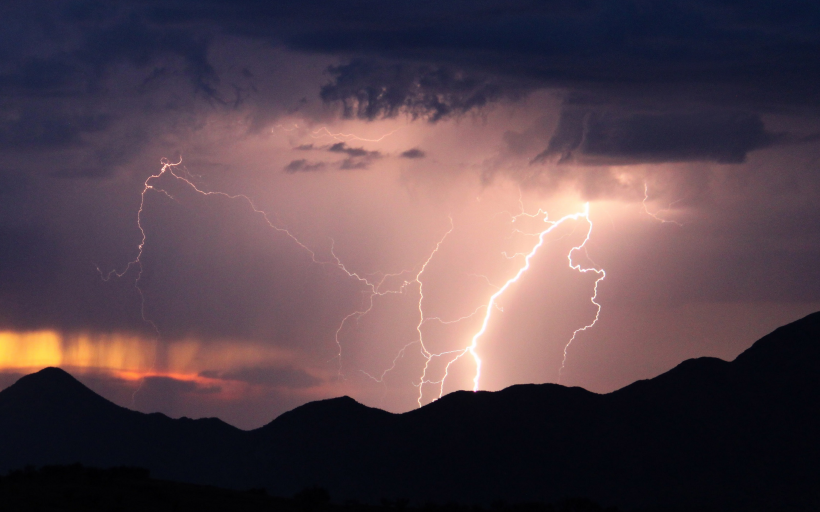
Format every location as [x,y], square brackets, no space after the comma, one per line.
[51,418]
[708,434]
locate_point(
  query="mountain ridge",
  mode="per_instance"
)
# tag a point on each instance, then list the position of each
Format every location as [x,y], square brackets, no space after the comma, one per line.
[709,433]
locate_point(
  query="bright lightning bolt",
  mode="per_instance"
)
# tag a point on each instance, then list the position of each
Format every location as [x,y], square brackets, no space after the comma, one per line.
[375,287]
[527,259]
[492,302]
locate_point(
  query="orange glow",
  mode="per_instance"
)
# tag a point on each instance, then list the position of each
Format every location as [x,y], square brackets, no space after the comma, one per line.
[129,357]
[30,349]
[36,349]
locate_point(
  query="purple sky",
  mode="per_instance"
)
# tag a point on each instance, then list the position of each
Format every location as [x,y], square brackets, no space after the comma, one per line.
[357,180]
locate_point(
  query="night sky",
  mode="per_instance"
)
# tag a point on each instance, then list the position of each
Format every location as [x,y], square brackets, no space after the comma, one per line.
[355,180]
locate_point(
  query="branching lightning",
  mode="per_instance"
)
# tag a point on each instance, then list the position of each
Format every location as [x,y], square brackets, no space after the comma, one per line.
[492,305]
[375,285]
[657,215]
[346,137]
[601,275]
[552,225]
[324,131]
[168,167]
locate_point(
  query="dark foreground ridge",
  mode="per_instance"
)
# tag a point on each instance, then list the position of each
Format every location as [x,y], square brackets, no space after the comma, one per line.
[77,488]
[707,435]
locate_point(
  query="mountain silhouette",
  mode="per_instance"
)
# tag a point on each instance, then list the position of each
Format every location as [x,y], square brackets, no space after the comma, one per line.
[707,435]
[51,418]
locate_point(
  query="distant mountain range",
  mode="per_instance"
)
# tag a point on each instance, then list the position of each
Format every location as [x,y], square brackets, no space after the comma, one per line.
[709,434]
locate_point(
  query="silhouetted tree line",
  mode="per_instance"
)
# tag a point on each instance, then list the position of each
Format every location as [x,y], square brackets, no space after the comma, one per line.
[127,489]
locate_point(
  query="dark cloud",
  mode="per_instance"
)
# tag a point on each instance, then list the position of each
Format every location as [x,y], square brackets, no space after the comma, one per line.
[341,147]
[302,165]
[436,60]
[369,91]
[433,59]
[433,62]
[35,129]
[628,137]
[413,153]
[86,40]
[283,376]
[352,164]
[358,158]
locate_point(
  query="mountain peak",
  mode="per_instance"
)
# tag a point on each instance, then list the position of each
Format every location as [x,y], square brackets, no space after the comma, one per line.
[48,378]
[50,387]
[51,374]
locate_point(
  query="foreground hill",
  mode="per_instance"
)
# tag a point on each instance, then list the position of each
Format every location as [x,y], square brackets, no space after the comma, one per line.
[77,488]
[740,435]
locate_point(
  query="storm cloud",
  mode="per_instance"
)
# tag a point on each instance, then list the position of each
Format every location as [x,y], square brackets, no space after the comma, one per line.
[370,91]
[626,138]
[465,58]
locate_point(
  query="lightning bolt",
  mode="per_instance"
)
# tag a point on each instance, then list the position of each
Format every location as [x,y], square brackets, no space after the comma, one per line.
[170,168]
[375,291]
[601,275]
[338,136]
[492,305]
[294,127]
[375,284]
[374,287]
[526,266]
[656,215]
[346,137]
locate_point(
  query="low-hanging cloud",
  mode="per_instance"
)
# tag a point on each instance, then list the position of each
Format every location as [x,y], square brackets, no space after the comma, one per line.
[302,165]
[357,158]
[341,147]
[413,153]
